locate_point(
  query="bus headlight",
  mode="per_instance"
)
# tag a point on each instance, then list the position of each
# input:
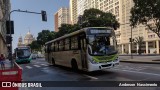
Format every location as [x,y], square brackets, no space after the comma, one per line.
[93,61]
[116,59]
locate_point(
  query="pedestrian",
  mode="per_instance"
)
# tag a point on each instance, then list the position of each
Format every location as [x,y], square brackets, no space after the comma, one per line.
[2,59]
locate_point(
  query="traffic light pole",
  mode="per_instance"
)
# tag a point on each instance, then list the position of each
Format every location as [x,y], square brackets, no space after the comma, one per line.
[44,18]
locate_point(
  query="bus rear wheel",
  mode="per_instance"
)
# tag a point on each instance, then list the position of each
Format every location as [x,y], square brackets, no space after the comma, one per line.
[74,65]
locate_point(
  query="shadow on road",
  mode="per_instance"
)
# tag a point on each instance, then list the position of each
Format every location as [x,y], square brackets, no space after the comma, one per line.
[93,73]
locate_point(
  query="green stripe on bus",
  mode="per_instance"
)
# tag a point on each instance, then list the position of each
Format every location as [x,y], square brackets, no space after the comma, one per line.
[105,58]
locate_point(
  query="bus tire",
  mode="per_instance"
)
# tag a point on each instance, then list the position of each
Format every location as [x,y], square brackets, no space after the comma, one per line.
[74,65]
[53,62]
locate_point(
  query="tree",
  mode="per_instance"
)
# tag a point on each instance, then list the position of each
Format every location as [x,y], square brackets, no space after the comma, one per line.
[144,12]
[96,18]
[35,46]
[45,36]
[139,40]
[66,29]
[74,27]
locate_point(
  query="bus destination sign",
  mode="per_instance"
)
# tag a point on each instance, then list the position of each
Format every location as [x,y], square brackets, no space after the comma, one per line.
[100,31]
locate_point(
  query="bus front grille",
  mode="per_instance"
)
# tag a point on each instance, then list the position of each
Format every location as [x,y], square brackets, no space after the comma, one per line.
[106,65]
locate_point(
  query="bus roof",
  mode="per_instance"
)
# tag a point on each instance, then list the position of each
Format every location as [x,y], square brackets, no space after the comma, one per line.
[23,47]
[74,33]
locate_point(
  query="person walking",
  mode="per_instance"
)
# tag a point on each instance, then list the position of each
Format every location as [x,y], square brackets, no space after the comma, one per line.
[2,59]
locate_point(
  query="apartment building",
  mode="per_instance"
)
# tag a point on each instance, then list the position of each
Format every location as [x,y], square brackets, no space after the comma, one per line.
[61,17]
[73,11]
[121,9]
[4,14]
[82,5]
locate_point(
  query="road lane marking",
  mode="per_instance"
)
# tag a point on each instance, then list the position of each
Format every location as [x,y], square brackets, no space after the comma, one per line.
[44,64]
[139,72]
[36,65]
[90,76]
[29,67]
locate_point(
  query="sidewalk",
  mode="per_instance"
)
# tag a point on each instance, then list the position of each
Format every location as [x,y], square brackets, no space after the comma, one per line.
[7,65]
[147,59]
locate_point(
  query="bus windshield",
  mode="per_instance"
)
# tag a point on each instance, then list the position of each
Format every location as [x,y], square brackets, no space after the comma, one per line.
[102,45]
[23,53]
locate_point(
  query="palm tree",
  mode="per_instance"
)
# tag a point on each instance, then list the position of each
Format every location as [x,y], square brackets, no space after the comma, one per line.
[139,40]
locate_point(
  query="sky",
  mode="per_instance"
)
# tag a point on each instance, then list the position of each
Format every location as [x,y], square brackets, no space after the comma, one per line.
[23,22]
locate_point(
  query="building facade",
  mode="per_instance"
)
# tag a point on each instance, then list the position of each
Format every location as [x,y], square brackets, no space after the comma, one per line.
[56,22]
[28,39]
[73,11]
[121,9]
[63,17]
[4,15]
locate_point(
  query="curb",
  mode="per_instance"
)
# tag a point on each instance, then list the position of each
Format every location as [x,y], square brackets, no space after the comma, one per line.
[141,62]
[140,55]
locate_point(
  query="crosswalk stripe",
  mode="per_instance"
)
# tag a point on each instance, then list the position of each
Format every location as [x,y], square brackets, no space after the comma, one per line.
[130,68]
[36,65]
[44,64]
[29,67]
[90,76]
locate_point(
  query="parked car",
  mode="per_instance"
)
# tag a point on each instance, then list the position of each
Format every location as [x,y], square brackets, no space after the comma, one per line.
[34,56]
[40,56]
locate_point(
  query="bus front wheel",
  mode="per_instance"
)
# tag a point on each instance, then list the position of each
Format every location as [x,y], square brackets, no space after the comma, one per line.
[74,65]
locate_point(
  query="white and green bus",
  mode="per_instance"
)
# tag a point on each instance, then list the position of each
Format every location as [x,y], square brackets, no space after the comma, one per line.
[89,49]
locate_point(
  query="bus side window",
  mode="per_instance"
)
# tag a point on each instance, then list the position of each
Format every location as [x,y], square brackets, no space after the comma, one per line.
[67,44]
[56,46]
[74,43]
[44,49]
[79,42]
[52,47]
[61,45]
[49,48]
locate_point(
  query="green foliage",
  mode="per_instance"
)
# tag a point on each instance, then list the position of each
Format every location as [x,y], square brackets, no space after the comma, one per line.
[45,36]
[42,38]
[90,18]
[66,29]
[35,46]
[139,40]
[145,11]
[96,18]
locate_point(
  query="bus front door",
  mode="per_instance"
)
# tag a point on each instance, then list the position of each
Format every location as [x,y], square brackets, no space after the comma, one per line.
[83,53]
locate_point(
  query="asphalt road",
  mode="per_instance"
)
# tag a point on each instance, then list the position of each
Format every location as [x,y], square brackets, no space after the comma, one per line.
[40,70]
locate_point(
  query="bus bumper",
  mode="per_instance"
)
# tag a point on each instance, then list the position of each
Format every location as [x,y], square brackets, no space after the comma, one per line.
[23,60]
[101,66]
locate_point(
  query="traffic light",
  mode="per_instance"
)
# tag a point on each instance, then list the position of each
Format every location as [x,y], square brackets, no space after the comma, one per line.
[44,15]
[10,25]
[8,39]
